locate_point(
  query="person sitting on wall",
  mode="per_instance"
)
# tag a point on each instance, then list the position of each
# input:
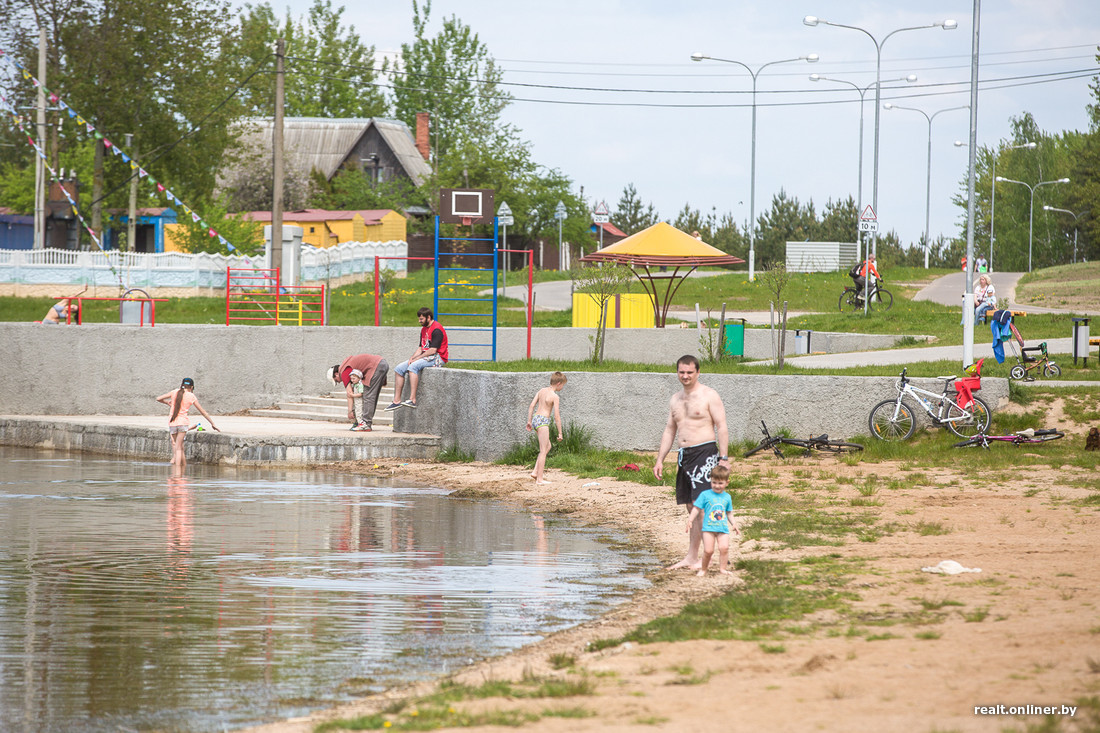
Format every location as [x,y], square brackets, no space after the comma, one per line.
[431,353]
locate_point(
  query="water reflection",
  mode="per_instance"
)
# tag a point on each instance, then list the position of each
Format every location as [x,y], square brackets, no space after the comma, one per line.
[134,599]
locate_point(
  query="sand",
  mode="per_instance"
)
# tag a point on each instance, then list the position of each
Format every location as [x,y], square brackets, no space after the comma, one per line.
[1023,631]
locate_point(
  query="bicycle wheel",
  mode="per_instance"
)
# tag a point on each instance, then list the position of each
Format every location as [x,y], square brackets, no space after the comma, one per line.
[1045,435]
[1052,370]
[977,440]
[882,300]
[967,424]
[885,426]
[848,300]
[1017,372]
[768,444]
[836,446]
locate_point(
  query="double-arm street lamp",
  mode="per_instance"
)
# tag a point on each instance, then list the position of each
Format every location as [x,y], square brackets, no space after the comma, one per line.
[947,25]
[1075,218]
[810,58]
[928,184]
[1031,208]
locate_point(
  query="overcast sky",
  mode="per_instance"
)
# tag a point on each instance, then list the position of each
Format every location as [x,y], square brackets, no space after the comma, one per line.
[694,148]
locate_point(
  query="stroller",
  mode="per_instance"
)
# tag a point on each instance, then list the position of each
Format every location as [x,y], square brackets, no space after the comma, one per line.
[1029,366]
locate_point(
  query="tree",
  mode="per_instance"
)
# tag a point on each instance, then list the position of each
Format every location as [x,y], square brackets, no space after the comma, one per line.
[786,221]
[601,283]
[246,236]
[631,215]
[453,77]
[329,71]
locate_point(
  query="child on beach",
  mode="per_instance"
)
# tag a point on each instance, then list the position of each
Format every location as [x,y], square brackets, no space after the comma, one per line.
[538,419]
[181,400]
[716,507]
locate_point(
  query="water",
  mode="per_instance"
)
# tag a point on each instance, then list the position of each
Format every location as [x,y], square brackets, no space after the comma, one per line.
[134,601]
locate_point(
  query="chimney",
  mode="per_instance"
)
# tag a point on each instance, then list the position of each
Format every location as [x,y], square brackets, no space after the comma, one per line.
[422,144]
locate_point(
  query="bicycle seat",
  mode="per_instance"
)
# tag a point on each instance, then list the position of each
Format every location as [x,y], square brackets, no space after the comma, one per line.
[951,377]
[820,439]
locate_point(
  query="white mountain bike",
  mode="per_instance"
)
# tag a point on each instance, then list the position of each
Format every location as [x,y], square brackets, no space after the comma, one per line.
[964,414]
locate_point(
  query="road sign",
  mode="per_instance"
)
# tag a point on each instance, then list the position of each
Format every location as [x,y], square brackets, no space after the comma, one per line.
[559,210]
[870,225]
[600,214]
[504,215]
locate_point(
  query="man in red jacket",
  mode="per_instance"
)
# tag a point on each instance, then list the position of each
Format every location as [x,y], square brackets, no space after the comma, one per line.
[432,352]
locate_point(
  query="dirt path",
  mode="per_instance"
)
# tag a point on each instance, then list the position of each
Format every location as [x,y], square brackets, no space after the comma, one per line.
[917,652]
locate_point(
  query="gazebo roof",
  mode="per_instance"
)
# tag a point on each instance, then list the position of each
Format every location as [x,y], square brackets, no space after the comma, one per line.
[662,245]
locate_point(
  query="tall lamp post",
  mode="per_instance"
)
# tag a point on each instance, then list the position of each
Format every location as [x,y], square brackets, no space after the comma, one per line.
[928,184]
[1031,208]
[1075,217]
[813,21]
[809,58]
[993,188]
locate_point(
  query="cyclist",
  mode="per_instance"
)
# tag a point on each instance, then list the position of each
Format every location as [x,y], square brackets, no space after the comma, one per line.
[859,274]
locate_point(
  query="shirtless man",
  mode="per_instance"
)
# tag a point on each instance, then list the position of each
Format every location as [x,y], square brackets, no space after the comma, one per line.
[695,416]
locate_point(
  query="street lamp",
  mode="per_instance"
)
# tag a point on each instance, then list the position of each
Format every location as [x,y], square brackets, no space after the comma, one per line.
[809,58]
[1031,212]
[1075,217]
[947,25]
[861,91]
[928,184]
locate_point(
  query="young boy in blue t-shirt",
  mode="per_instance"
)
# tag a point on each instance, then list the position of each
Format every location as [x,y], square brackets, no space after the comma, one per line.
[716,507]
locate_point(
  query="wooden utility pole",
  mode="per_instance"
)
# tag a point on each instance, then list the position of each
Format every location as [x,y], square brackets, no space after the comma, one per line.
[277,162]
[131,217]
[40,180]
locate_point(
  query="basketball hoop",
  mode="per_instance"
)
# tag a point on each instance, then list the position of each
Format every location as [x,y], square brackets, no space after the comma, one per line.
[467,221]
[466,206]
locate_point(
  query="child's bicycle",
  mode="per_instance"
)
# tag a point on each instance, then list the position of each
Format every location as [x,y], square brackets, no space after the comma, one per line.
[1030,435]
[821,443]
[1028,367]
[963,412]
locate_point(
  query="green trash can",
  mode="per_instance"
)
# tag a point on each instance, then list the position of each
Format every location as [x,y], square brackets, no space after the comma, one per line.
[734,342]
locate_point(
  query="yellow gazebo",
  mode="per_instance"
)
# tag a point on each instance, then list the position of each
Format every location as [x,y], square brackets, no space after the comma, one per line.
[662,245]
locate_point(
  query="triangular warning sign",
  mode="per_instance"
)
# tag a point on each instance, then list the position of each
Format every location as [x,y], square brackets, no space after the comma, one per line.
[868,214]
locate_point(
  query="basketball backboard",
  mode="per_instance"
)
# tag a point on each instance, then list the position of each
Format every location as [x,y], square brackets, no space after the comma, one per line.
[466,205]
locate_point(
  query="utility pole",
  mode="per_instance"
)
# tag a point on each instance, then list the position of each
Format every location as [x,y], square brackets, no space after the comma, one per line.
[40,133]
[277,164]
[131,215]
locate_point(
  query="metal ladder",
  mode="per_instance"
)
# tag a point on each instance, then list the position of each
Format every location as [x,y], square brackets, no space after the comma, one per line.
[465,315]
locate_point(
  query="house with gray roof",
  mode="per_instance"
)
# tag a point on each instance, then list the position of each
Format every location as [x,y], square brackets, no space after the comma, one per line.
[381,148]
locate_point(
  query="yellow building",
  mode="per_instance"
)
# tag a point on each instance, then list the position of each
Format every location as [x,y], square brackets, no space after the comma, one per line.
[323,228]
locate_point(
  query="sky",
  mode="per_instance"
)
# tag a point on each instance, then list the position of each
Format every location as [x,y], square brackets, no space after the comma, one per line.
[685,136]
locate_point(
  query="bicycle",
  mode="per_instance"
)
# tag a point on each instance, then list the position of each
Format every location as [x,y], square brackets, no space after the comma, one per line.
[820,443]
[1020,437]
[894,419]
[852,299]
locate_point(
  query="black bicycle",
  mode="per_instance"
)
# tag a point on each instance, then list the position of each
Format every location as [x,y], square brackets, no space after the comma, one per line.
[808,445]
[851,299]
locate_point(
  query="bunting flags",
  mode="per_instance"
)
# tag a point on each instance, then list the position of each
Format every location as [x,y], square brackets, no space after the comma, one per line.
[142,174]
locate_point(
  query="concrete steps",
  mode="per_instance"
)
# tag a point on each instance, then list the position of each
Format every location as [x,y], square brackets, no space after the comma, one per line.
[331,407]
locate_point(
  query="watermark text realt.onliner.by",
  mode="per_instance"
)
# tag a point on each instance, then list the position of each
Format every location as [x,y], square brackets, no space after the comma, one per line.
[1069,710]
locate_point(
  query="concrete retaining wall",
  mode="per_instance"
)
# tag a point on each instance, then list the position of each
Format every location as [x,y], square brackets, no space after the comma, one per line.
[153,443]
[485,412]
[109,369]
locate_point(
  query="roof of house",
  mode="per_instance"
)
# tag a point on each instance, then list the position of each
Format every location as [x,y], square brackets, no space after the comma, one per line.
[608,228]
[371,217]
[324,143]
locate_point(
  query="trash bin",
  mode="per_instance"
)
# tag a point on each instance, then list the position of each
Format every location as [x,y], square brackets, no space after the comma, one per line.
[802,340]
[138,312]
[1081,340]
[733,343]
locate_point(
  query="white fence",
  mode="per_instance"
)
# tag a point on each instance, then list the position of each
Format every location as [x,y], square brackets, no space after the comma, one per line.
[821,256]
[182,270]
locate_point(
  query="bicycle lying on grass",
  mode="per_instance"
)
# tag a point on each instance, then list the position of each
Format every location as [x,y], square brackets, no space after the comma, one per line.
[963,413]
[851,299]
[820,443]
[1020,437]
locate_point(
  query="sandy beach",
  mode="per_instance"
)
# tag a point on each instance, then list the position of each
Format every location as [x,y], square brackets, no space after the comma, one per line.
[910,651]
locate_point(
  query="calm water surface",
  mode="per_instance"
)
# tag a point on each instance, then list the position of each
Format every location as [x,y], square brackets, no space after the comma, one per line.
[130,600]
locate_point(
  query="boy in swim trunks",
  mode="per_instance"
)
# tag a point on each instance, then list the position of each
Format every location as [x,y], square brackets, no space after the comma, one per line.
[716,509]
[538,419]
[696,416]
